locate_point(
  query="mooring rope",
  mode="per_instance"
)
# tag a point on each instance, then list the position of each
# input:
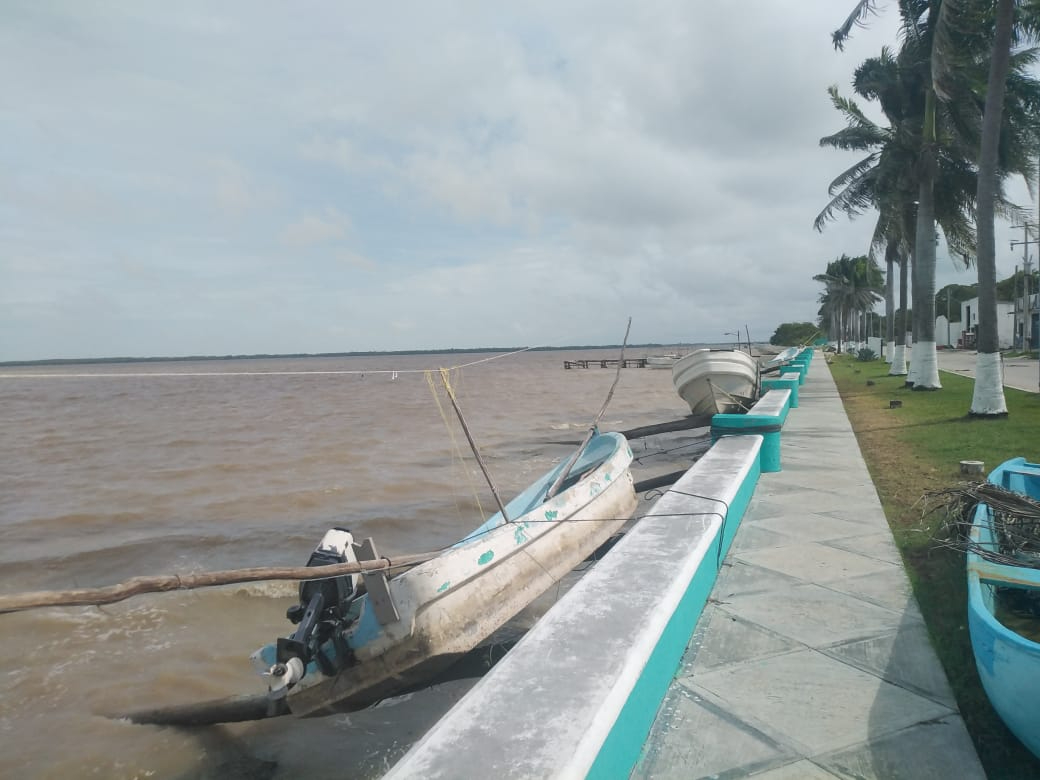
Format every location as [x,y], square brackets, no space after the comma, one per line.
[394,372]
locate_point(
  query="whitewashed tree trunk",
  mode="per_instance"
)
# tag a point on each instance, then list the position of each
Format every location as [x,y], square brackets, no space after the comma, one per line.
[988,396]
[898,361]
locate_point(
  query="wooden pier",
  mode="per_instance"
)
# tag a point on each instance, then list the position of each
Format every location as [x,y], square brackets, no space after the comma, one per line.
[626,363]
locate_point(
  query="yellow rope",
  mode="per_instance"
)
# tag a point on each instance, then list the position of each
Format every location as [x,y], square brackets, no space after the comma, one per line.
[445,374]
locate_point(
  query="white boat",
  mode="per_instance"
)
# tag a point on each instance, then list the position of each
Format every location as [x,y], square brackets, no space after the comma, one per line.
[352,650]
[716,381]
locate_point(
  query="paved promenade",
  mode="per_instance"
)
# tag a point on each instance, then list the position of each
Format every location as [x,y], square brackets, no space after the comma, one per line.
[811,660]
[1018,373]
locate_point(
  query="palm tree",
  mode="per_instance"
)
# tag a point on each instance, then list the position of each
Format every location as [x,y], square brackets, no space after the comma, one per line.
[988,396]
[920,22]
[852,286]
[946,44]
[886,179]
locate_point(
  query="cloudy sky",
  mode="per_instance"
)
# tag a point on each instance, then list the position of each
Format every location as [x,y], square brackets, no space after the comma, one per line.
[258,177]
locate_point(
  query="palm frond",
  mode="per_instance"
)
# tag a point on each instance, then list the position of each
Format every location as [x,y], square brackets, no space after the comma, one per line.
[862,10]
[861,173]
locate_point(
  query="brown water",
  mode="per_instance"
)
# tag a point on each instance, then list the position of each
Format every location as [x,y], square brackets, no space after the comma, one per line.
[114,471]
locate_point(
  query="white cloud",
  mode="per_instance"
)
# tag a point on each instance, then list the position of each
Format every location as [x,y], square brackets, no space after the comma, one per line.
[236,190]
[311,229]
[454,174]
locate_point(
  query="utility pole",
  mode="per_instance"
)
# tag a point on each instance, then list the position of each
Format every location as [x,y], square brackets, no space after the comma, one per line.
[948,291]
[1027,329]
[1026,272]
[1015,321]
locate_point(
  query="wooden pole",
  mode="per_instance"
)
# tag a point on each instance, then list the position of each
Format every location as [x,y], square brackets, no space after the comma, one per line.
[473,444]
[555,487]
[18,602]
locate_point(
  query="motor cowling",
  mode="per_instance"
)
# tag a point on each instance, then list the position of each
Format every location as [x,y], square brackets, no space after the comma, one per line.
[323,603]
[337,546]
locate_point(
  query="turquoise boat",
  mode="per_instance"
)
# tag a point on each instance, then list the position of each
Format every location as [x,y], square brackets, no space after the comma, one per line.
[1008,663]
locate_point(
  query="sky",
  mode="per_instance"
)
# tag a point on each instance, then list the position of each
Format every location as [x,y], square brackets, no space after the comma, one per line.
[201,178]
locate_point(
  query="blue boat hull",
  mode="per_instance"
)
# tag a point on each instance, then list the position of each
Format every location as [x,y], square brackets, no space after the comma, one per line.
[1008,663]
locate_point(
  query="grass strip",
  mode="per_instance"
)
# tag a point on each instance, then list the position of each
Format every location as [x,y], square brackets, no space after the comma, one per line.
[915,447]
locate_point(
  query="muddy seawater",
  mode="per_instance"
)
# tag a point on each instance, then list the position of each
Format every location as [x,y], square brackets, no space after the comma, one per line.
[110,471]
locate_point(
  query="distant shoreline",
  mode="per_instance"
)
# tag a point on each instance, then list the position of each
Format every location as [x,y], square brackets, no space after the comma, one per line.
[376,353]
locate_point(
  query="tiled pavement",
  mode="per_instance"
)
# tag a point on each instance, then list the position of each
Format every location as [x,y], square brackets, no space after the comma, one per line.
[811,660]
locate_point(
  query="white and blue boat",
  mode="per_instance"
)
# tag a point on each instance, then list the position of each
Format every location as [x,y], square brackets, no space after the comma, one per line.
[354,646]
[782,358]
[1008,663]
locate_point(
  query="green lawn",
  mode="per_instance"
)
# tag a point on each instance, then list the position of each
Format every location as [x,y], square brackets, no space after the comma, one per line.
[915,448]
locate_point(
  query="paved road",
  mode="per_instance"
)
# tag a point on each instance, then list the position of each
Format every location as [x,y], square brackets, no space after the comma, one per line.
[1018,373]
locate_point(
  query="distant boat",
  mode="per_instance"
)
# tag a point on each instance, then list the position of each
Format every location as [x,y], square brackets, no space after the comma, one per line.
[352,649]
[781,359]
[662,361]
[1008,663]
[716,380]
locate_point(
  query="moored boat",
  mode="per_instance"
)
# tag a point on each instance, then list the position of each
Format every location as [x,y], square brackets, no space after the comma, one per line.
[352,649]
[717,380]
[1008,663]
[782,358]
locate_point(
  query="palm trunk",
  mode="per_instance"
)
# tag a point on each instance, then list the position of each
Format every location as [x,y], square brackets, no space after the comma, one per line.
[890,262]
[925,367]
[911,331]
[988,396]
[899,353]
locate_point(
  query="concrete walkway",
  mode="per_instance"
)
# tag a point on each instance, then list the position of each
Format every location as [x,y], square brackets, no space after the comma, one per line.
[811,660]
[1019,373]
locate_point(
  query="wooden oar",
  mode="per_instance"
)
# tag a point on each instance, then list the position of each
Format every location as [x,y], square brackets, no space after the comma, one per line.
[233,709]
[17,602]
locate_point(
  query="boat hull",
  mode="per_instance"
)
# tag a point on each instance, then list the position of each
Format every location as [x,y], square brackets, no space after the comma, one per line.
[713,381]
[449,605]
[1008,663]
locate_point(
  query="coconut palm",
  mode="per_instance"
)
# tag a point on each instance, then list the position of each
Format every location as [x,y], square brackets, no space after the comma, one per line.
[921,45]
[852,286]
[988,396]
[947,44]
[886,179]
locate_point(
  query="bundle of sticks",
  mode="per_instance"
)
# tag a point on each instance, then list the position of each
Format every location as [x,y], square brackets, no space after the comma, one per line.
[1015,521]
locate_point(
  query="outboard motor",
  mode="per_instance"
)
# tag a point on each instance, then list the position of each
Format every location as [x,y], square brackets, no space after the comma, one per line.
[337,546]
[322,609]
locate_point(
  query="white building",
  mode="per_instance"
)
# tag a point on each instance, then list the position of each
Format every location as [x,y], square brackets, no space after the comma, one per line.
[946,332]
[962,334]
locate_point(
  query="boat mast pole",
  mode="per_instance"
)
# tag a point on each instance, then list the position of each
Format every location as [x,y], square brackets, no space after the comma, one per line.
[473,444]
[555,487]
